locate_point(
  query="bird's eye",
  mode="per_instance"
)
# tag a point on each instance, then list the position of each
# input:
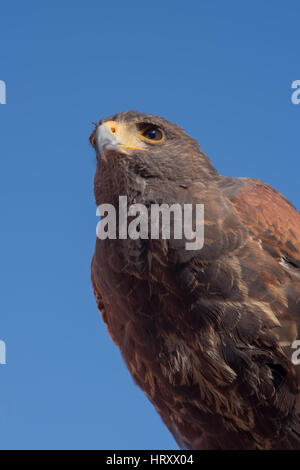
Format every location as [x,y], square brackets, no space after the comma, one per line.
[152,133]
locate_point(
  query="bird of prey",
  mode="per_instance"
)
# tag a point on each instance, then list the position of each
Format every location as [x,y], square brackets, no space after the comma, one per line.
[208,334]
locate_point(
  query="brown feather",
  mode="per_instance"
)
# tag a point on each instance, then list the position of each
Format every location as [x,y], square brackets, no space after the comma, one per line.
[206,334]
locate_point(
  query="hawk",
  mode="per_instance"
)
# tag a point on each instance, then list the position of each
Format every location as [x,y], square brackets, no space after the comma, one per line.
[208,334]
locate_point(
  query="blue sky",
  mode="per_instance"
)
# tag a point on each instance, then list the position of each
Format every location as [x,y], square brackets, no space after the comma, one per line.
[223,71]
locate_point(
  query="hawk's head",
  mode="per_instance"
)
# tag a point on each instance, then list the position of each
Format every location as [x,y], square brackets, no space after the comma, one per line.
[149,146]
[131,132]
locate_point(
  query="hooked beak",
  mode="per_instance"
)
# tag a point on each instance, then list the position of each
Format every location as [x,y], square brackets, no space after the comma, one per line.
[117,137]
[105,139]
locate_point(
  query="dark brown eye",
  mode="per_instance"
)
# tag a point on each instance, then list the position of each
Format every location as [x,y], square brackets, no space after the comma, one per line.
[152,133]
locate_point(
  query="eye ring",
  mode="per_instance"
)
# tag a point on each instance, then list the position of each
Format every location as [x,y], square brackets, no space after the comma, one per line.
[152,133]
